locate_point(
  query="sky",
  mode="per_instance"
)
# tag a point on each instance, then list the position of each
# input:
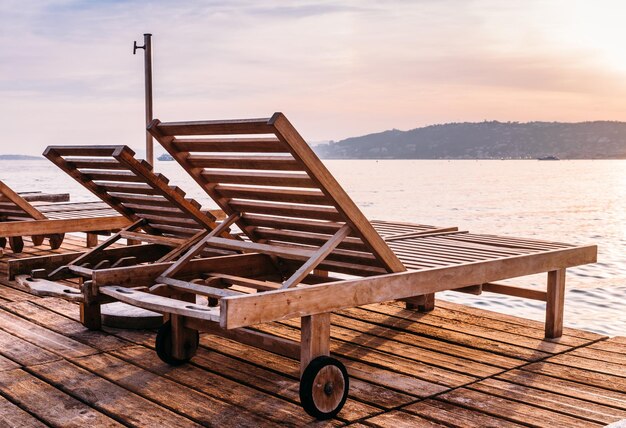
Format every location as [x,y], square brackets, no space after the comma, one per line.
[337,69]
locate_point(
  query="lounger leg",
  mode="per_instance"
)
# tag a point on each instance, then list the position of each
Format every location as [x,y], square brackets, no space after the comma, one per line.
[92,240]
[184,340]
[555,303]
[90,314]
[16,243]
[314,339]
[56,240]
[37,239]
[424,303]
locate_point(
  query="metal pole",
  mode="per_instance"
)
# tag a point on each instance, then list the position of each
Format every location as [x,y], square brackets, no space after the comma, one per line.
[147,47]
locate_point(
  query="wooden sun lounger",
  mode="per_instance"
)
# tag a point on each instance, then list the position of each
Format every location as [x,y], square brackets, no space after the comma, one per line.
[307,251]
[155,212]
[22,215]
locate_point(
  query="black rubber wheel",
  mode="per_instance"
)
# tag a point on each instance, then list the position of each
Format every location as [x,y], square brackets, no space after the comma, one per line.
[163,345]
[324,387]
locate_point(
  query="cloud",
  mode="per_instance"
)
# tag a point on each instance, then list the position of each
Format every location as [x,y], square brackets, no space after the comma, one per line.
[337,68]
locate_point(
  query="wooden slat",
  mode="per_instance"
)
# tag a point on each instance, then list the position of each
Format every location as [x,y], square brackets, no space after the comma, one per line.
[216,127]
[275,250]
[351,243]
[153,239]
[161,304]
[325,227]
[283,163]
[115,176]
[299,211]
[199,289]
[106,164]
[251,145]
[43,227]
[259,178]
[270,194]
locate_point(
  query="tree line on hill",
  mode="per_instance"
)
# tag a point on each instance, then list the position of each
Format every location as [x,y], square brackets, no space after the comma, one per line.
[487,140]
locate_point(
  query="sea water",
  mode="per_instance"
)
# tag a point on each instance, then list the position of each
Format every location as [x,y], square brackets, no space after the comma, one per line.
[578,202]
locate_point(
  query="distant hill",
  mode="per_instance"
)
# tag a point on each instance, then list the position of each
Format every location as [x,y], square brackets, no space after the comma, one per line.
[20,157]
[487,140]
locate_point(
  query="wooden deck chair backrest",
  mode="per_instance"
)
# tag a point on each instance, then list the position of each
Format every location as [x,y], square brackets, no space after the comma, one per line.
[131,187]
[15,207]
[263,170]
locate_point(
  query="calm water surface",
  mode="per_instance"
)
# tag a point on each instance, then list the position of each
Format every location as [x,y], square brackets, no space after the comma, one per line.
[581,202]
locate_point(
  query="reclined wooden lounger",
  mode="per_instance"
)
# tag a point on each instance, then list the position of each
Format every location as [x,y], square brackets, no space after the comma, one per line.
[156,213]
[308,251]
[20,217]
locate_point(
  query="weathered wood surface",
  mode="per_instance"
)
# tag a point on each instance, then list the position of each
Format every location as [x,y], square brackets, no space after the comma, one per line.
[456,366]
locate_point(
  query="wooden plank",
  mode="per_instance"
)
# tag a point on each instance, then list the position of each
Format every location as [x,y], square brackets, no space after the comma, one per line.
[199,289]
[136,276]
[107,397]
[512,410]
[510,290]
[260,178]
[42,337]
[315,197]
[48,226]
[325,227]
[301,151]
[279,163]
[231,145]
[427,232]
[50,404]
[591,412]
[456,416]
[275,250]
[21,352]
[240,311]
[44,197]
[213,127]
[73,329]
[438,348]
[14,417]
[123,176]
[569,388]
[299,211]
[222,388]
[160,304]
[399,419]
[485,316]
[153,239]
[191,403]
[579,375]
[278,375]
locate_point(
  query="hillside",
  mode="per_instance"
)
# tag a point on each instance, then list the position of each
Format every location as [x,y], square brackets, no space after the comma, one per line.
[487,140]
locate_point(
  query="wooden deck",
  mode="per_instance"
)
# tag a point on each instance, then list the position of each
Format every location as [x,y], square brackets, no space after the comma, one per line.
[456,366]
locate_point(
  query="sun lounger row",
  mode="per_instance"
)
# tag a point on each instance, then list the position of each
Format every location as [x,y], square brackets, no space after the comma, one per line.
[302,249]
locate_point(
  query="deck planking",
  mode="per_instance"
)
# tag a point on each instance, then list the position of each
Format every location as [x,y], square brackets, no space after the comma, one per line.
[456,366]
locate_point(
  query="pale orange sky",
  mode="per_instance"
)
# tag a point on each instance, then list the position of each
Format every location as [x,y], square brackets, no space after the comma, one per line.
[336,68]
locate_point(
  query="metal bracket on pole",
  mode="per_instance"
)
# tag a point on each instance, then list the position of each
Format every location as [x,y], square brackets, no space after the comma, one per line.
[147,47]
